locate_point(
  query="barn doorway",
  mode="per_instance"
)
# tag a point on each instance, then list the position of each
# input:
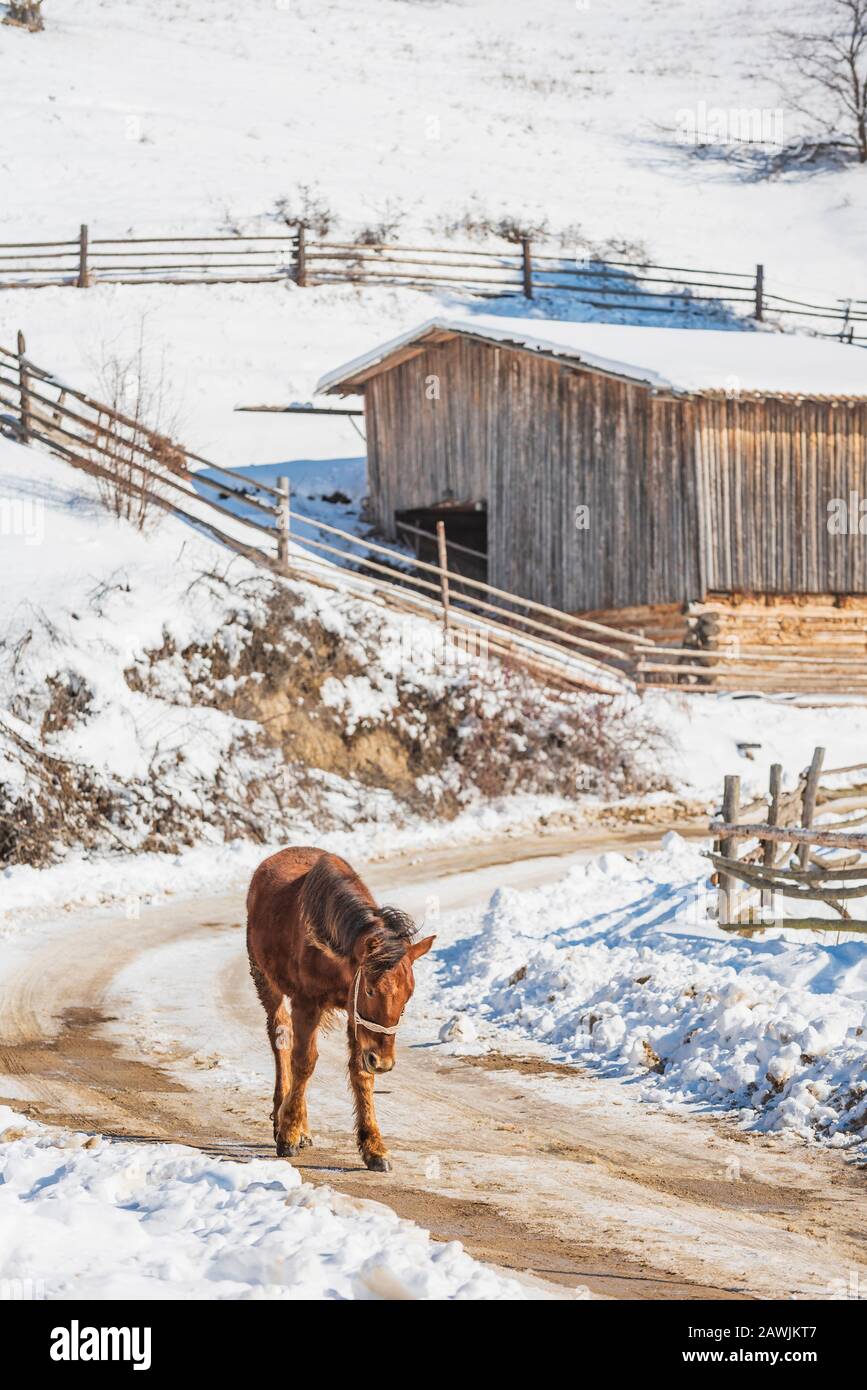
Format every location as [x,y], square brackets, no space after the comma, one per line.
[466,526]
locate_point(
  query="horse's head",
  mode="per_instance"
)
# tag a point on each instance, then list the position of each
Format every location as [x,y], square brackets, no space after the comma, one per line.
[379,994]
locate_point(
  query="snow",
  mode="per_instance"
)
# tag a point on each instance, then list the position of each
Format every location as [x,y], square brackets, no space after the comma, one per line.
[88,1218]
[618,966]
[666,359]
[193,116]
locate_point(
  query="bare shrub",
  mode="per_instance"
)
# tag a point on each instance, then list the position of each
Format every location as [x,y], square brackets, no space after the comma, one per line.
[132,438]
[306,208]
[389,219]
[25,14]
[548,744]
[828,75]
[477,225]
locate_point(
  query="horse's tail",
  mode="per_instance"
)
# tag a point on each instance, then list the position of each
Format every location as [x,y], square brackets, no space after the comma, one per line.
[334,906]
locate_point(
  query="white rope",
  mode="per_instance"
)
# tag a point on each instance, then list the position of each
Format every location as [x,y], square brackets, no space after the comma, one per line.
[365,1023]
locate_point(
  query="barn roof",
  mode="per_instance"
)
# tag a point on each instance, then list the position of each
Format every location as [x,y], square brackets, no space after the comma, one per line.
[674,360]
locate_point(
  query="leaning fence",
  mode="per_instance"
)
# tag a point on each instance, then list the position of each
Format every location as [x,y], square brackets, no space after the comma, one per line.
[803,848]
[526,268]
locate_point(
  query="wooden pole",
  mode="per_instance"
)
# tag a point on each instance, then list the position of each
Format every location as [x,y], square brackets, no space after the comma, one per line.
[23,389]
[760,292]
[728,848]
[811,786]
[775,786]
[301,256]
[283,521]
[527,261]
[83,273]
[444,569]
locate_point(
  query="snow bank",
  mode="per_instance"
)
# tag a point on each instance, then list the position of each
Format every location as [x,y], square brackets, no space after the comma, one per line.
[87,1218]
[617,966]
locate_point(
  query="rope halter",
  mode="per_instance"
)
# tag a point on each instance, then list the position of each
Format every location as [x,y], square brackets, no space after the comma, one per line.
[365,1022]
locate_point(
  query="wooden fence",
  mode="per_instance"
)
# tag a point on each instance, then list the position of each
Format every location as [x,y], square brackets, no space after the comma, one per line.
[257,520]
[528,269]
[780,855]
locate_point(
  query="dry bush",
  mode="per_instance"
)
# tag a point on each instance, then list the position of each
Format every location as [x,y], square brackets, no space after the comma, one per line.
[389,219]
[306,208]
[141,445]
[542,742]
[477,225]
[25,14]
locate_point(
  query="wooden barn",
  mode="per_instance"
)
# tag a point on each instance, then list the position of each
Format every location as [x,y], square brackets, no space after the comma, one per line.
[689,484]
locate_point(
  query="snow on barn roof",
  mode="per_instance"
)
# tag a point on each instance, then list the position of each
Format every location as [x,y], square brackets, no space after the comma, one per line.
[678,360]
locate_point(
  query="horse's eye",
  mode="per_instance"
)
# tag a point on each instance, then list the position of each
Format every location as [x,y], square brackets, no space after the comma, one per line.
[369,993]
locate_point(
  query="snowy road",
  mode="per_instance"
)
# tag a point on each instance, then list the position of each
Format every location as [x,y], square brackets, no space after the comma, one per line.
[150,1029]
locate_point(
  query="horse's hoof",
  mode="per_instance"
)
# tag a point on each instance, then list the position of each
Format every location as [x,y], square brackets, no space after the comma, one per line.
[377,1163]
[306,1141]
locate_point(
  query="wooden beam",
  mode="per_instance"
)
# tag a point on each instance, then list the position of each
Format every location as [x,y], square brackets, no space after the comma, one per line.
[798,836]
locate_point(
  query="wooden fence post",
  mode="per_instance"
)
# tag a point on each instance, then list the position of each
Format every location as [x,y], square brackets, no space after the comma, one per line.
[283,520]
[301,256]
[443,564]
[83,273]
[769,850]
[23,389]
[527,262]
[760,292]
[728,848]
[811,786]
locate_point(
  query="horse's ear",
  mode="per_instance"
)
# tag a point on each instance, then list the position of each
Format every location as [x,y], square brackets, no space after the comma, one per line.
[370,944]
[421,948]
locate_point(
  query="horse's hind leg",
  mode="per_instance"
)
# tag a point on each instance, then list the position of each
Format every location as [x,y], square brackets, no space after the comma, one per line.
[279,1036]
[292,1132]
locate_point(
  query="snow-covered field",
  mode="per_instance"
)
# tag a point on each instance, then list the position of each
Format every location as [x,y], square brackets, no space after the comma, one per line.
[197,115]
[618,966]
[86,1218]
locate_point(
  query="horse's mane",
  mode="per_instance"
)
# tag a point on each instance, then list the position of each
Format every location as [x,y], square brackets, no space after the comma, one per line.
[336,912]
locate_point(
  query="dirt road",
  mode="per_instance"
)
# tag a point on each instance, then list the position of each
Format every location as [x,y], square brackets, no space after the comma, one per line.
[150,1029]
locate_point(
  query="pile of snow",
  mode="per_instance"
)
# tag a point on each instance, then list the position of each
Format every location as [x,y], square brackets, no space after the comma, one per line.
[92,1219]
[618,966]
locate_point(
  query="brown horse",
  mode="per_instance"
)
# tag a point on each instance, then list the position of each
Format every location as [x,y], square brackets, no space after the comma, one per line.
[317,940]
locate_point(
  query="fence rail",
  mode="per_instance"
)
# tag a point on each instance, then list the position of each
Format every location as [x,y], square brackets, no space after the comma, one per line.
[526,269]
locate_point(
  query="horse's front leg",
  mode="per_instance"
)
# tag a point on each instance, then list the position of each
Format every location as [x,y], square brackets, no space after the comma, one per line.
[292,1132]
[370,1141]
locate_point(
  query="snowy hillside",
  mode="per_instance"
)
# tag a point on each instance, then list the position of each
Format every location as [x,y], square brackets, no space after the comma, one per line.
[411,115]
[158,692]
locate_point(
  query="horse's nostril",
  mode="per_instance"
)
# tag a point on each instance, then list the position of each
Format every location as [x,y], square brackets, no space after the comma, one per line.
[372,1061]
